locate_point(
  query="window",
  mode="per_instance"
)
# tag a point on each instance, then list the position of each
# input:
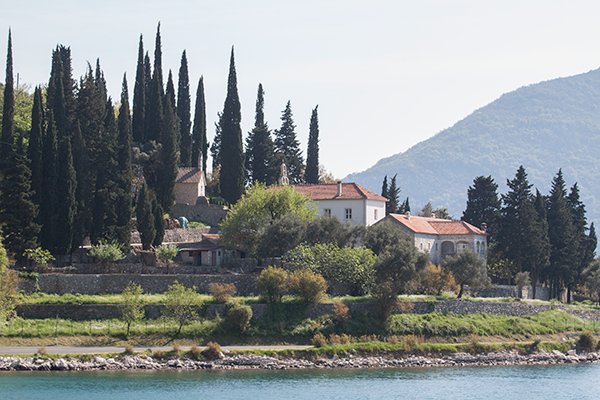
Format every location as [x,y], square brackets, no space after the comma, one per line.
[348,213]
[375,214]
[327,212]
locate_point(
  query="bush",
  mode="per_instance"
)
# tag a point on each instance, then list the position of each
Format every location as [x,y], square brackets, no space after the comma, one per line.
[8,294]
[587,341]
[341,313]
[309,286]
[212,351]
[195,353]
[222,292]
[368,338]
[273,284]
[437,281]
[239,316]
[129,349]
[167,252]
[105,252]
[319,340]
[393,339]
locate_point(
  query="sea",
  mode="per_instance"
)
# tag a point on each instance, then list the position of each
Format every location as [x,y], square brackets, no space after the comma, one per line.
[581,381]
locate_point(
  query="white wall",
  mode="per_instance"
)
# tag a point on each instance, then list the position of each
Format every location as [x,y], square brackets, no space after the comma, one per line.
[363,211]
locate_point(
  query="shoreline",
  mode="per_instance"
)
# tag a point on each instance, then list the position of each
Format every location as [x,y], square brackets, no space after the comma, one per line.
[251,361]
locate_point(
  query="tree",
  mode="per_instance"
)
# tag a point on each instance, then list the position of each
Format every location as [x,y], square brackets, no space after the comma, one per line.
[288,147]
[169,165]
[232,172]
[279,237]
[123,204]
[156,95]
[8,288]
[583,255]
[184,113]
[483,205]
[17,211]
[8,110]
[167,253]
[159,222]
[273,283]
[49,179]
[467,269]
[199,142]
[181,304]
[66,206]
[393,193]
[260,207]
[385,191]
[260,161]
[312,153]
[107,252]
[539,254]
[34,150]
[145,217]
[139,97]
[132,305]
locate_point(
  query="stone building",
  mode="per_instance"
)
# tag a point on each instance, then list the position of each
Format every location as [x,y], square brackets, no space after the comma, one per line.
[441,237]
[189,185]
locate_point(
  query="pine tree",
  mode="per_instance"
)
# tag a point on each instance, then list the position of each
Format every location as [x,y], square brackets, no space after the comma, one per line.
[35,153]
[145,218]
[582,257]
[49,180]
[139,97]
[124,173]
[393,192]
[184,113]
[66,206]
[288,147]
[8,110]
[483,205]
[18,212]
[312,153]
[405,206]
[538,258]
[232,152]
[199,142]
[260,163]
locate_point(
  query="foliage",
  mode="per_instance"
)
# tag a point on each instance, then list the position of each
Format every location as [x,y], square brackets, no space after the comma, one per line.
[260,207]
[279,237]
[106,252]
[319,340]
[311,175]
[239,316]
[467,268]
[309,286]
[273,283]
[587,341]
[341,313]
[132,307]
[167,252]
[212,351]
[39,255]
[181,304]
[221,292]
[8,288]
[522,280]
[483,205]
[437,281]
[351,266]
[145,218]
[287,146]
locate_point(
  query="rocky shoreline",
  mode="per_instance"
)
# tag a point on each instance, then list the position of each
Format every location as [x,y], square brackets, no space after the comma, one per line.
[250,361]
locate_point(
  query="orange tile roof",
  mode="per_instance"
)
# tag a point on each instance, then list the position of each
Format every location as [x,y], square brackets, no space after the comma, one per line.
[189,175]
[329,191]
[436,226]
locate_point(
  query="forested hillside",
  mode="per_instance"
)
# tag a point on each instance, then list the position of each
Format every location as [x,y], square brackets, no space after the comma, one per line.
[544,127]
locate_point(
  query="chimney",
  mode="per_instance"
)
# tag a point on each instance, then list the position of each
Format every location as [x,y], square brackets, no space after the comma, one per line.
[483,226]
[408,215]
[339,187]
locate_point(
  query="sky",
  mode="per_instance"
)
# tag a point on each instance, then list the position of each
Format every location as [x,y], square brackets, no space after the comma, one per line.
[385,75]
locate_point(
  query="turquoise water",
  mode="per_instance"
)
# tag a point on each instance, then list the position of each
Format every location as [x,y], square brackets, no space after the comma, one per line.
[539,382]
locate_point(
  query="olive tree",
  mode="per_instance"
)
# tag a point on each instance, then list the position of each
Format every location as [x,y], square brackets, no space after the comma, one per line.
[181,304]
[467,268]
[132,305]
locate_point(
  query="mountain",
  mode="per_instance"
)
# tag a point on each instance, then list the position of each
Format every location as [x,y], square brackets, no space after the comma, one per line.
[546,126]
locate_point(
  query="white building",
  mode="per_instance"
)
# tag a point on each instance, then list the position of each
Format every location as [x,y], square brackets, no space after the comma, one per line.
[189,185]
[441,237]
[347,201]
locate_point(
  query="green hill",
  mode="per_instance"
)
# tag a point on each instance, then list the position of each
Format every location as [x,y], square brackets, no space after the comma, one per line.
[544,127]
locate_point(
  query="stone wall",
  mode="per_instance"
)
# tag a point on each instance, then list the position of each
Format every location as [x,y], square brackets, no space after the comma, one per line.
[541,293]
[210,214]
[178,235]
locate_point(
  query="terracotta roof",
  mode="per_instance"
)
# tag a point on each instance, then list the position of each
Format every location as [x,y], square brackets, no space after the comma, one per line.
[189,175]
[436,226]
[329,191]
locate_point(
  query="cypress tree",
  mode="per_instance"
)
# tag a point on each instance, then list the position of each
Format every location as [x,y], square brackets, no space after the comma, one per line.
[184,113]
[312,153]
[538,258]
[8,110]
[80,162]
[69,86]
[66,206]
[159,222]
[260,163]
[384,188]
[406,206]
[215,148]
[124,173]
[288,147]
[18,212]
[148,84]
[167,173]
[155,99]
[199,142]
[393,192]
[145,218]
[170,91]
[232,152]
[35,152]
[582,257]
[47,209]
[139,97]
[483,204]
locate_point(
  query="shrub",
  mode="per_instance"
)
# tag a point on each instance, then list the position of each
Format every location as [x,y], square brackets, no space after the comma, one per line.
[212,351]
[239,316]
[196,353]
[222,292]
[273,284]
[345,339]
[42,351]
[335,339]
[437,281]
[319,340]
[411,341]
[105,252]
[587,341]
[39,256]
[8,293]
[393,339]
[309,286]
[385,297]
[129,349]
[176,347]
[167,252]
[340,313]
[368,338]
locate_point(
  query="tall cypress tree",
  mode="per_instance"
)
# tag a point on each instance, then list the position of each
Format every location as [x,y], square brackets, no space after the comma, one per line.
[215,148]
[145,218]
[260,162]
[393,192]
[8,111]
[184,113]
[199,142]
[35,152]
[288,147]
[155,99]
[384,188]
[159,222]
[139,97]
[232,150]
[148,83]
[483,204]
[66,206]
[18,212]
[538,258]
[582,257]
[124,173]
[47,209]
[80,162]
[69,86]
[167,173]
[312,153]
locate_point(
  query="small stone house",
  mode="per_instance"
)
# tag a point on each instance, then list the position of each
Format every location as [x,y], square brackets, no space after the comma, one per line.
[441,237]
[206,253]
[189,185]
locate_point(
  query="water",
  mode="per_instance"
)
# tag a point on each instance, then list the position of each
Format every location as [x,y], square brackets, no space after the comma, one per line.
[490,383]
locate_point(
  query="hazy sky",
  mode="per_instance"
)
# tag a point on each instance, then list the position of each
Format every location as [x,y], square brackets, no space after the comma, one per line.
[385,74]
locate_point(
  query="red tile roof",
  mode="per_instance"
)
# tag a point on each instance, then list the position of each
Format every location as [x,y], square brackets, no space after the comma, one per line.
[436,226]
[189,175]
[329,191]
